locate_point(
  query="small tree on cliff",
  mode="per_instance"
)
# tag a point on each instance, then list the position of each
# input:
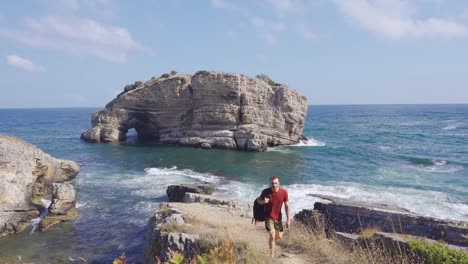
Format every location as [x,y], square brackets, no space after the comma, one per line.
[266,79]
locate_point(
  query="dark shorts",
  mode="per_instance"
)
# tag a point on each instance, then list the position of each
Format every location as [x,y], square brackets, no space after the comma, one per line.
[273,224]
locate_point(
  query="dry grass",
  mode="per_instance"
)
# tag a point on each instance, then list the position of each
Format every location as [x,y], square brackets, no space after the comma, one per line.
[319,245]
[368,232]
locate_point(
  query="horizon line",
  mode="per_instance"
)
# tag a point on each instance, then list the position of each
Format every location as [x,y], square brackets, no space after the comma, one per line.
[350,104]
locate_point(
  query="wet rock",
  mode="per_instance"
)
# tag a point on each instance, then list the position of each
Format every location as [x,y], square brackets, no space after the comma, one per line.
[52,219]
[176,193]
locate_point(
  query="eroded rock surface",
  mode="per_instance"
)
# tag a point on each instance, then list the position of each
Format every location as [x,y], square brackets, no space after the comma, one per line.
[176,193]
[26,176]
[349,217]
[208,110]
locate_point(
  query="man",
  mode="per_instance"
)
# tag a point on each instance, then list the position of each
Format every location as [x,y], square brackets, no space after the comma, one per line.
[273,199]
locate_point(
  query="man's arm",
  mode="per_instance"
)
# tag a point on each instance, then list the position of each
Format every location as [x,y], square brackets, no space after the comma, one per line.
[261,200]
[286,207]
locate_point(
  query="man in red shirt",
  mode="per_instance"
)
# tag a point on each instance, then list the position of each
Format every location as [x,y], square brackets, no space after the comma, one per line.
[273,199]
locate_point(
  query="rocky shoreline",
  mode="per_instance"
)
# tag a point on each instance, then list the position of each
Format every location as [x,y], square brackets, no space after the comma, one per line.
[28,175]
[195,222]
[394,227]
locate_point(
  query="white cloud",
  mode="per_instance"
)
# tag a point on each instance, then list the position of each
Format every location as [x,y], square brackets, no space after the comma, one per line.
[22,63]
[305,33]
[286,6]
[77,36]
[99,8]
[223,4]
[391,19]
[258,22]
[266,29]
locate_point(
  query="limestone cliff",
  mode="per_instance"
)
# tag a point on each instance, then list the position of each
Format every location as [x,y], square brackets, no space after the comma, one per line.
[26,175]
[209,110]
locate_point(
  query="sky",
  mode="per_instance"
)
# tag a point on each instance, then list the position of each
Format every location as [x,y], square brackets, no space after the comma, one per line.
[82,53]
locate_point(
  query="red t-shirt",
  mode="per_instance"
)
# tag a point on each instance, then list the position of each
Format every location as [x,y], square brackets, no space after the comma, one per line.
[273,207]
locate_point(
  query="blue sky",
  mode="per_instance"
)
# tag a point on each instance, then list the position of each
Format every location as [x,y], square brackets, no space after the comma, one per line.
[75,53]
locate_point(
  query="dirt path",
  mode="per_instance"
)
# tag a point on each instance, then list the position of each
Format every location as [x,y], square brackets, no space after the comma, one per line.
[217,222]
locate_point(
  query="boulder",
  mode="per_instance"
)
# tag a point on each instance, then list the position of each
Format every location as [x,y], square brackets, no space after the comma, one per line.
[164,239]
[208,110]
[51,220]
[176,193]
[63,198]
[26,176]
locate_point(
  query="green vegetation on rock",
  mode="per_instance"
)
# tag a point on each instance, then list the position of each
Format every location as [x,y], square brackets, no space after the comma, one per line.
[203,72]
[438,253]
[266,79]
[133,86]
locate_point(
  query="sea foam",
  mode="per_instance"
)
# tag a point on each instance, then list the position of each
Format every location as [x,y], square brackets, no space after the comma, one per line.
[311,142]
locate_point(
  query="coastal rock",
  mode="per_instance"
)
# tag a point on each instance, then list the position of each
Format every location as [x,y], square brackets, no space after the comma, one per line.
[51,220]
[26,176]
[208,110]
[163,238]
[63,198]
[352,217]
[176,193]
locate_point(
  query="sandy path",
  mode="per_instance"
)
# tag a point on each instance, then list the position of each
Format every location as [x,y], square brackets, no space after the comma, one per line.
[214,221]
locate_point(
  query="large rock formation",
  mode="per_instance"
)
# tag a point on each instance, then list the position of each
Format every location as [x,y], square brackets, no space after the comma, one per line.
[26,175]
[208,110]
[350,217]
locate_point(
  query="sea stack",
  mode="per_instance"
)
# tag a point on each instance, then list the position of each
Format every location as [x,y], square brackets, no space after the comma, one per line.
[27,175]
[208,110]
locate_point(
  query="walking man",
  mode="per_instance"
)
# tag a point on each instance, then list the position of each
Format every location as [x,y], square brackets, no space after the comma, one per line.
[273,199]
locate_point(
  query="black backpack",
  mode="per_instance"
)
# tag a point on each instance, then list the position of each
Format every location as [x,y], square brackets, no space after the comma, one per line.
[259,211]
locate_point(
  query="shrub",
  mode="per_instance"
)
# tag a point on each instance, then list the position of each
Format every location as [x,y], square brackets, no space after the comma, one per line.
[152,78]
[438,253]
[121,260]
[173,72]
[266,79]
[165,75]
[202,72]
[133,86]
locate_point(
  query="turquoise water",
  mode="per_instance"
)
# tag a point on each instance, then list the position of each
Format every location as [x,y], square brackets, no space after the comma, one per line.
[412,156]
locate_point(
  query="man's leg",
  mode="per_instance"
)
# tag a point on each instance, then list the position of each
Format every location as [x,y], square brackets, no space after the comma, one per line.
[271,242]
[270,227]
[279,230]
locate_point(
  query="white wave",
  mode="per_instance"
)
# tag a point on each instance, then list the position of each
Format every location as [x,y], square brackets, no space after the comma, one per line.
[450,127]
[35,222]
[174,172]
[310,143]
[78,204]
[427,203]
[279,149]
[440,162]
[412,123]
[439,169]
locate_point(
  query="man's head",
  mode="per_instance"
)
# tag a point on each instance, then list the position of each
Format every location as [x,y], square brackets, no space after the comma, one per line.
[274,183]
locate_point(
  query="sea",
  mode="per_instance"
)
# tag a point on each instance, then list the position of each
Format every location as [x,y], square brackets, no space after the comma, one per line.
[411,156]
